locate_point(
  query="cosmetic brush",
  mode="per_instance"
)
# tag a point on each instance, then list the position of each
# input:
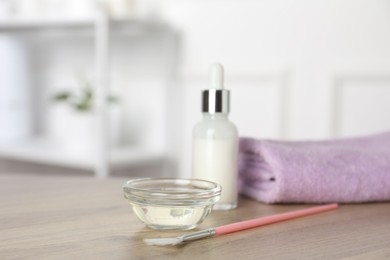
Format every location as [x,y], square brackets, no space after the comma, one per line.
[238,226]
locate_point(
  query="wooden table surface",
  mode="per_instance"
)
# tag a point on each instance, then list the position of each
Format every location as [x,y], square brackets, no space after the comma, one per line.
[82,218]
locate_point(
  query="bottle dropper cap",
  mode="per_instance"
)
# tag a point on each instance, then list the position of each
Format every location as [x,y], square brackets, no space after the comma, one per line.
[216,98]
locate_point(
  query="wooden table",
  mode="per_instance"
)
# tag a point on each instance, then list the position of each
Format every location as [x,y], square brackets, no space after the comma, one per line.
[81,218]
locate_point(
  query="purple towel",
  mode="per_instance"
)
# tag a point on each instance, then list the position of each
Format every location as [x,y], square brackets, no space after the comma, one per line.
[344,170]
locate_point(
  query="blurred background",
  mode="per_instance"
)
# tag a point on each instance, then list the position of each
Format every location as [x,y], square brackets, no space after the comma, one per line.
[112,87]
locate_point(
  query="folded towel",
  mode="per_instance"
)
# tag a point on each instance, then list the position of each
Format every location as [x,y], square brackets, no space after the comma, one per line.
[343,170]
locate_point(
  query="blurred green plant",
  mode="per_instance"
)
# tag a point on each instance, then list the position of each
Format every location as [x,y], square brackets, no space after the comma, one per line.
[82,99]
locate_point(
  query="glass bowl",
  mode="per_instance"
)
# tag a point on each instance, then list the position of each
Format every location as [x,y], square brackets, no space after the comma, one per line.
[163,203]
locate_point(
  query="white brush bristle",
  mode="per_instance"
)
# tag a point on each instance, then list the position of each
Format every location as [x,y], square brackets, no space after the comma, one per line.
[163,241]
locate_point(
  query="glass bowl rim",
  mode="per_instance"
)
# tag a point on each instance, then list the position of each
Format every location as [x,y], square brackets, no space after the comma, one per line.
[160,195]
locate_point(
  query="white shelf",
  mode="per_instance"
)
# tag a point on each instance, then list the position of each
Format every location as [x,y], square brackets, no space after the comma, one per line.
[100,28]
[134,24]
[46,152]
[20,24]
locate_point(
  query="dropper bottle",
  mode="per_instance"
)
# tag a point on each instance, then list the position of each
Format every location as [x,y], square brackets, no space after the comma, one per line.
[215,141]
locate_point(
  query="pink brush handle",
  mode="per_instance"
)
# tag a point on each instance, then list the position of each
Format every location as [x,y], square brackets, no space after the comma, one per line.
[272,219]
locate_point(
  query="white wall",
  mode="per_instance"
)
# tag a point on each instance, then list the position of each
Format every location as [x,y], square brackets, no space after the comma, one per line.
[297,69]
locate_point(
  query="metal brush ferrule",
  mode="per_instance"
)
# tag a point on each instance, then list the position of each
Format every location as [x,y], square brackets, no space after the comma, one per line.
[198,235]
